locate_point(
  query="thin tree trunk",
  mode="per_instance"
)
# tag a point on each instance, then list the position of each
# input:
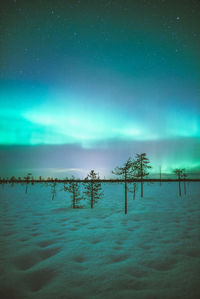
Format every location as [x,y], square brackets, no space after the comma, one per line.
[92,196]
[141,179]
[184,187]
[141,186]
[134,190]
[53,192]
[26,188]
[74,198]
[179,184]
[125,207]
[125,189]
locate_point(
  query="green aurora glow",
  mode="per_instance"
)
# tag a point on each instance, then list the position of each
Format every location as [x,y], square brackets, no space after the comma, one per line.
[116,75]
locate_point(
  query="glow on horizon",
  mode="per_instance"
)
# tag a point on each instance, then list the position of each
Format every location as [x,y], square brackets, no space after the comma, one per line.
[168,167]
[106,172]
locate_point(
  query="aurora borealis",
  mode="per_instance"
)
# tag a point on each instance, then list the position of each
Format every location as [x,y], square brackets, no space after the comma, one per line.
[84,84]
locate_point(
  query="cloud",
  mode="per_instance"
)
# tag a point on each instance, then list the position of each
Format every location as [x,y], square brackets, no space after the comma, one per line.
[68,170]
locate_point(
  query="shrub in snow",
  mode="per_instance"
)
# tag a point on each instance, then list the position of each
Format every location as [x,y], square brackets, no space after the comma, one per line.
[74,189]
[93,189]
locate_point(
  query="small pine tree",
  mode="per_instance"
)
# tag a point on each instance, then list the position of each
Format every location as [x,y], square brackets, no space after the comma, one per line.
[133,175]
[27,179]
[93,190]
[124,172]
[53,190]
[140,165]
[179,173]
[74,189]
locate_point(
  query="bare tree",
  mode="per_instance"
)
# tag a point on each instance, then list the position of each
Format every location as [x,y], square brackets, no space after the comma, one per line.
[53,190]
[133,175]
[133,189]
[184,175]
[124,172]
[74,188]
[93,189]
[27,179]
[141,164]
[179,173]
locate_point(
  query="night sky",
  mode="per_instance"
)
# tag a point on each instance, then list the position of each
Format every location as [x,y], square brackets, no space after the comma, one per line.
[85,84]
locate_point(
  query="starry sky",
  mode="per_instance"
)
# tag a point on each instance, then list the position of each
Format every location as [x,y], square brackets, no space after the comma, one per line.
[84,84]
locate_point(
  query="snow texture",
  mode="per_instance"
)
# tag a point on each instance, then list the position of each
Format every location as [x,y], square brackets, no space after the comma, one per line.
[49,250]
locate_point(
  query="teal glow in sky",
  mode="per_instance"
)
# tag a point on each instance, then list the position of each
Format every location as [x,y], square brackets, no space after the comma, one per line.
[122,76]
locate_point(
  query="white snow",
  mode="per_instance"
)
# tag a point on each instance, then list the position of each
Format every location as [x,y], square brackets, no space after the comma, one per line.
[48,250]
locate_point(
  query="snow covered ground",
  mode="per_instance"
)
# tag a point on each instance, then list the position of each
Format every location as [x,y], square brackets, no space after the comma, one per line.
[48,250]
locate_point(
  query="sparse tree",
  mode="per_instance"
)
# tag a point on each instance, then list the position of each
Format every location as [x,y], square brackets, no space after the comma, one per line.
[12,180]
[74,188]
[133,175]
[133,189]
[32,180]
[141,165]
[184,176]
[93,189]
[124,172]
[53,190]
[179,173]
[27,179]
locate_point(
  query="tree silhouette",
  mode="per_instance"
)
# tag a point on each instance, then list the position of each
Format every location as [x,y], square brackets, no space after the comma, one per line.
[12,179]
[27,179]
[74,188]
[179,173]
[133,189]
[184,175]
[53,190]
[133,175]
[124,172]
[93,189]
[140,165]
